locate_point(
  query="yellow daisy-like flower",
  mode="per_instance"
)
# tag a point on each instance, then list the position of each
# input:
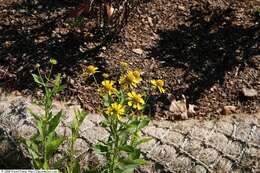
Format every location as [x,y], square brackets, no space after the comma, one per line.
[158,84]
[90,70]
[108,86]
[135,100]
[137,76]
[131,79]
[116,109]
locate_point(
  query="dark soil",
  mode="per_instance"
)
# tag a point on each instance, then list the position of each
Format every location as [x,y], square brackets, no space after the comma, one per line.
[206,51]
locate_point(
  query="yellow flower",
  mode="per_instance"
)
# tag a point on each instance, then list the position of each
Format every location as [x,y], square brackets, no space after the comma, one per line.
[131,79]
[90,70]
[108,86]
[135,100]
[137,76]
[158,84]
[116,109]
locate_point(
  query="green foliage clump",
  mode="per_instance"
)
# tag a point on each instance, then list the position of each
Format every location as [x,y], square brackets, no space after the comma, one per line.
[123,109]
[43,145]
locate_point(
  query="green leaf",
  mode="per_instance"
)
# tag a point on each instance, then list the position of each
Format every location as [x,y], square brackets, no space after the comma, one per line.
[58,163]
[107,100]
[76,167]
[81,115]
[105,123]
[57,87]
[74,125]
[38,79]
[48,99]
[35,116]
[54,122]
[138,123]
[143,140]
[123,137]
[144,122]
[133,124]
[88,169]
[32,148]
[121,97]
[127,169]
[46,166]
[41,127]
[128,166]
[135,154]
[140,161]
[73,167]
[37,164]
[99,148]
[52,146]
[126,148]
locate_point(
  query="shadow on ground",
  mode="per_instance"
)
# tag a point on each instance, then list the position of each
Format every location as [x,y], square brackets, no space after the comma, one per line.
[32,34]
[208,47]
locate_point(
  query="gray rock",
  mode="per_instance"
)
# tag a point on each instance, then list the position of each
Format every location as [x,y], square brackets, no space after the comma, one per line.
[182,146]
[249,92]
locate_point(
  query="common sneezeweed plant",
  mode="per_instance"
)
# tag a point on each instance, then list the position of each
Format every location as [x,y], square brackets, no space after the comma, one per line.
[73,165]
[122,108]
[158,84]
[43,145]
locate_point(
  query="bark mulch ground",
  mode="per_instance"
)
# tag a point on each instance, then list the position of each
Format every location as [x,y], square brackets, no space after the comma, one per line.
[206,51]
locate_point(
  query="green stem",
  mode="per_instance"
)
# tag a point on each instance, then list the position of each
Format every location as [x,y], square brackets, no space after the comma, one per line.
[71,154]
[146,100]
[96,83]
[114,124]
[95,80]
[44,140]
[40,75]
[45,164]
[49,76]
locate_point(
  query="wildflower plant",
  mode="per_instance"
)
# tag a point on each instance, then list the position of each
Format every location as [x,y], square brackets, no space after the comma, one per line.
[44,144]
[135,100]
[131,79]
[158,84]
[108,86]
[90,71]
[72,165]
[123,109]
